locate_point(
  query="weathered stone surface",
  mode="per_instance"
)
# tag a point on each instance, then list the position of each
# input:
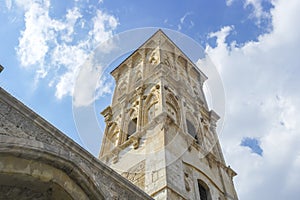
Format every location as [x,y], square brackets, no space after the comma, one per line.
[159,116]
[37,161]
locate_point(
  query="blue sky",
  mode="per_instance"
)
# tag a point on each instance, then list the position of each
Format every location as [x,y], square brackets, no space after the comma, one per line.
[253,43]
[253,144]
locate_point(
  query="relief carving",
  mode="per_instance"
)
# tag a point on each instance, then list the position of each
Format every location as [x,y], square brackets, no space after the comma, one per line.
[136,174]
[151,102]
[167,59]
[133,110]
[188,179]
[172,107]
[154,57]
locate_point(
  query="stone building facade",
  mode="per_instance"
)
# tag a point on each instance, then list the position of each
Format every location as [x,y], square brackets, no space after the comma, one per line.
[37,161]
[160,139]
[160,133]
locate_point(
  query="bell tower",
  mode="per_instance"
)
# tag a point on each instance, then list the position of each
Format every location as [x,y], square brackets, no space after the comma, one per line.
[160,133]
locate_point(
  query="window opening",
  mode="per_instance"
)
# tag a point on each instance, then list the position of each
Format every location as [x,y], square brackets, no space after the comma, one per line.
[132,127]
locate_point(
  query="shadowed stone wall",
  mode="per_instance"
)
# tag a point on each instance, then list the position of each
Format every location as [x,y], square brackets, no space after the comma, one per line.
[37,161]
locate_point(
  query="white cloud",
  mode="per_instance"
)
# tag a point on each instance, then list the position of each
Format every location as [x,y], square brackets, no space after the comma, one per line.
[184,16]
[71,18]
[33,41]
[229,2]
[89,86]
[50,46]
[261,84]
[183,21]
[8,4]
[103,25]
[71,57]
[258,11]
[179,27]
[221,43]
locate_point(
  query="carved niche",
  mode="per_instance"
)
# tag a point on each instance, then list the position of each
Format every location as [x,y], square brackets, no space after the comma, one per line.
[151,104]
[172,107]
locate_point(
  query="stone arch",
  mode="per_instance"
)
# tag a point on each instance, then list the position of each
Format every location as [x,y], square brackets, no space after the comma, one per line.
[172,107]
[151,106]
[132,119]
[204,191]
[40,181]
[41,174]
[133,112]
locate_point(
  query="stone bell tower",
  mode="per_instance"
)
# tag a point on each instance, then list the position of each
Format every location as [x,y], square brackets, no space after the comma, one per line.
[160,133]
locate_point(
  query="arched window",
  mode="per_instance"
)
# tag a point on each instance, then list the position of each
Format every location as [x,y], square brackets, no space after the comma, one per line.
[131,127]
[173,108]
[151,106]
[203,191]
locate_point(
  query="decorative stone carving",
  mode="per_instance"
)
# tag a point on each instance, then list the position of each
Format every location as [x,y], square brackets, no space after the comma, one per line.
[172,107]
[107,113]
[154,57]
[186,182]
[150,104]
[167,59]
[156,126]
[136,174]
[25,135]
[135,142]
[188,179]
